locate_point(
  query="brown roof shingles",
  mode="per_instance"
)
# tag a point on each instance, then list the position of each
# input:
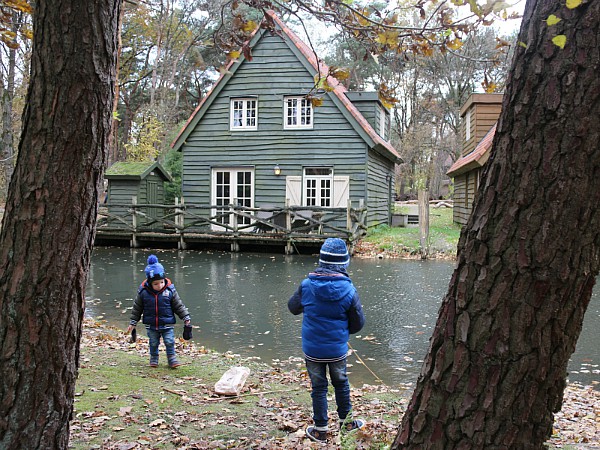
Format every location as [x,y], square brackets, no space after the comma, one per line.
[475,156]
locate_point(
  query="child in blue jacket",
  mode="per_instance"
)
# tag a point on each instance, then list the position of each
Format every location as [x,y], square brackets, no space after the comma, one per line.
[158,301]
[332,311]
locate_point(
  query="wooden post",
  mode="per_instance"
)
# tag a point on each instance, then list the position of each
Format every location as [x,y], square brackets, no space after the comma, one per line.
[349,216]
[233,215]
[134,221]
[179,223]
[288,228]
[288,216]
[424,223]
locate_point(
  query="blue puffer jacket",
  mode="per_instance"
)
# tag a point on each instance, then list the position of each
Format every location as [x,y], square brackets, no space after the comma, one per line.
[158,307]
[332,311]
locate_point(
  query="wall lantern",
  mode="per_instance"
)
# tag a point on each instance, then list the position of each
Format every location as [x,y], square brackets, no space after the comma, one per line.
[277,170]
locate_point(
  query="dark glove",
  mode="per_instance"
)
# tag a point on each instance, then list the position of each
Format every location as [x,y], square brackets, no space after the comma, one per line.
[133,335]
[187,332]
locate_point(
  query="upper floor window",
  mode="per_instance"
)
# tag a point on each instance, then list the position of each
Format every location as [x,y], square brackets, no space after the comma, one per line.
[298,113]
[468,126]
[382,123]
[244,114]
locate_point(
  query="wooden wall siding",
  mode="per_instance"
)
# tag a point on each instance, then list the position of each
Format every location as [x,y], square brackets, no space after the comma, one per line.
[486,115]
[460,212]
[378,190]
[273,73]
[465,188]
[120,192]
[483,117]
[369,111]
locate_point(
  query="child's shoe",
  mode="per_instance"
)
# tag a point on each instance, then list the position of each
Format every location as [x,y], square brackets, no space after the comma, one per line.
[316,435]
[346,426]
[153,361]
[173,363]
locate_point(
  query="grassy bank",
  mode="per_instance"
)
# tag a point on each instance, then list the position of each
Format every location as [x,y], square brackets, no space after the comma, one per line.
[122,404]
[404,241]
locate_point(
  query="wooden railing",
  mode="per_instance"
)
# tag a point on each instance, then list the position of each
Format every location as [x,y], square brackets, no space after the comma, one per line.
[285,222]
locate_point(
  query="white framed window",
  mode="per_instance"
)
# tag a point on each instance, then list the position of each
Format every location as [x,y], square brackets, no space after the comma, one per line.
[295,196]
[297,113]
[231,186]
[318,186]
[243,114]
[382,123]
[468,125]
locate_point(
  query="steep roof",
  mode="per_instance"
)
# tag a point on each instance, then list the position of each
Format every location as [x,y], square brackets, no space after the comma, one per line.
[135,170]
[477,158]
[309,60]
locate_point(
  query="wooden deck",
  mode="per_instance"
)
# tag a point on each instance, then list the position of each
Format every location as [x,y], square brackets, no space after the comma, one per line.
[235,228]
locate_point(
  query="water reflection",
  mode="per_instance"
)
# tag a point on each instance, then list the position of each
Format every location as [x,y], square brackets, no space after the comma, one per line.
[239,302]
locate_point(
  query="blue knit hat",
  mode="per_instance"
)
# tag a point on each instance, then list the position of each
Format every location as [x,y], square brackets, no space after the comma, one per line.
[154,270]
[334,254]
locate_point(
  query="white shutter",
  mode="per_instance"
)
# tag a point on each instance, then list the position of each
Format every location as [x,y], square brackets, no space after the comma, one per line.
[293,190]
[341,191]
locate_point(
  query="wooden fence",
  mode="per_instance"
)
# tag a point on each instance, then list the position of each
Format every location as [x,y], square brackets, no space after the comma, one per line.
[235,224]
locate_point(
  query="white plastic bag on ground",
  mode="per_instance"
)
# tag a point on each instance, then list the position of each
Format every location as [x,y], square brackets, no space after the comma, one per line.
[232,381]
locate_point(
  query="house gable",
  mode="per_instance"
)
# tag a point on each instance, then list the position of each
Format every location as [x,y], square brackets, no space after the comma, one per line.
[314,68]
[339,137]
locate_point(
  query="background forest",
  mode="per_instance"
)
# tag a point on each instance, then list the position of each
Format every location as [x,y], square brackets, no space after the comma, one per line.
[168,61]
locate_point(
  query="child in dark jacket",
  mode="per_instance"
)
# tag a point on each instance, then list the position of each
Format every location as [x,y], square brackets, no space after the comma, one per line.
[332,311]
[158,301]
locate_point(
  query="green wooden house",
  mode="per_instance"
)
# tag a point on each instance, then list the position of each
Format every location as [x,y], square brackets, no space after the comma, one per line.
[143,180]
[256,140]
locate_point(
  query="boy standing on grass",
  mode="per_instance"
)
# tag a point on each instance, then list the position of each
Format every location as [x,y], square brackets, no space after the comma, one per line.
[332,311]
[158,301]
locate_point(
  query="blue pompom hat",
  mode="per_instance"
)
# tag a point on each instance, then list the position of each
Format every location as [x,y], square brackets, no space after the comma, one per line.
[334,254]
[154,270]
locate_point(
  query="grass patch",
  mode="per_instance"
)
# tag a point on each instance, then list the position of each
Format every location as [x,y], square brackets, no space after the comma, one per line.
[402,241]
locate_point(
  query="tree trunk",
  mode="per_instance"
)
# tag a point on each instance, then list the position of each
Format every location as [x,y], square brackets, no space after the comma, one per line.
[48,229]
[528,258]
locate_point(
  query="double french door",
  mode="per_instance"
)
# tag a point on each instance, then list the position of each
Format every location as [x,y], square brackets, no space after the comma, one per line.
[232,186]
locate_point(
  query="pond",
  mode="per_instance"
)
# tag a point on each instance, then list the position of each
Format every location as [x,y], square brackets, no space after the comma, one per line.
[238,301]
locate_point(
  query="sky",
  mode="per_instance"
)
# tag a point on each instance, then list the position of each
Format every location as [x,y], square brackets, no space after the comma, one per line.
[319,33]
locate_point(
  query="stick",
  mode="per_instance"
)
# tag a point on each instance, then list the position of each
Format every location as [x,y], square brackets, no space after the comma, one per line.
[232,397]
[363,363]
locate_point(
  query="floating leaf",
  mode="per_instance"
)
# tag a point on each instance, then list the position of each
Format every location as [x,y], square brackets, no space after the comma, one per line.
[572,4]
[552,20]
[560,40]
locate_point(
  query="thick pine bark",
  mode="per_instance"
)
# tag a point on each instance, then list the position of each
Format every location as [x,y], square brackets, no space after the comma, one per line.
[497,362]
[48,227]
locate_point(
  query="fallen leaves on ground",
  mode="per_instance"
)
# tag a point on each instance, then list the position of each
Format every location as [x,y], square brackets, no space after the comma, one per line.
[271,413]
